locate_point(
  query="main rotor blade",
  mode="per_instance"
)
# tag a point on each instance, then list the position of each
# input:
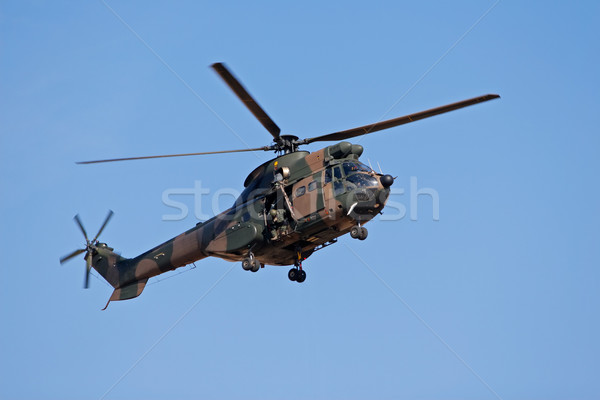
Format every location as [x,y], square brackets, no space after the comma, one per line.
[78,222]
[108,217]
[247,99]
[71,255]
[265,148]
[390,123]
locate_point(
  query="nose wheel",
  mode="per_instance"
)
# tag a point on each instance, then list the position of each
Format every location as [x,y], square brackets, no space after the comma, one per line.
[251,263]
[359,232]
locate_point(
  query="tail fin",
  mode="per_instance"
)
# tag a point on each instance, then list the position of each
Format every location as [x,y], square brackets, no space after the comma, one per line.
[127,292]
[116,271]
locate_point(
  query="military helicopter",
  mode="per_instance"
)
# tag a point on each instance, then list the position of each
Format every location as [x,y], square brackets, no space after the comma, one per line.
[292,206]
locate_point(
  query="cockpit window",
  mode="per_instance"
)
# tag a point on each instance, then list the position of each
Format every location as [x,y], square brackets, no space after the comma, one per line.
[361,180]
[337,173]
[352,167]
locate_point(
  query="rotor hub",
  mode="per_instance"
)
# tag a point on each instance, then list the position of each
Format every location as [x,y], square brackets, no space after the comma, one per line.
[287,144]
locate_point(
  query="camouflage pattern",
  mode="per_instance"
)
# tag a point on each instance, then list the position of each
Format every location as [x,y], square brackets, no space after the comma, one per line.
[291,206]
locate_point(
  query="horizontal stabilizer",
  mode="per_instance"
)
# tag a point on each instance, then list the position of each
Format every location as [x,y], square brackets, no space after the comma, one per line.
[127,292]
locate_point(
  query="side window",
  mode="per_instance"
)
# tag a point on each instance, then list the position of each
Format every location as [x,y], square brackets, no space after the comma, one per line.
[312,186]
[327,175]
[337,173]
[300,191]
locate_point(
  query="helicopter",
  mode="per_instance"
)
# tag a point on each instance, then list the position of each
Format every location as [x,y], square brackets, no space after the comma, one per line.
[291,206]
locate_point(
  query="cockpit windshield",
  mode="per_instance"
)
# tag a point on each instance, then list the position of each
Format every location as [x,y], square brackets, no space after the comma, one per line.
[352,167]
[362,180]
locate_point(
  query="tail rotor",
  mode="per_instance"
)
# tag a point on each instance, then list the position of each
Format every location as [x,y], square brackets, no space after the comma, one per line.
[90,246]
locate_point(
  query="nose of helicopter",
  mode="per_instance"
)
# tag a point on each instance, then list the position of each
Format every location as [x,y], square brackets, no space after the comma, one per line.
[365,203]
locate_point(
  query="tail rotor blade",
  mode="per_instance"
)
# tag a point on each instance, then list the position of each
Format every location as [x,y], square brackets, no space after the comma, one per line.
[71,255]
[88,266]
[80,225]
[108,217]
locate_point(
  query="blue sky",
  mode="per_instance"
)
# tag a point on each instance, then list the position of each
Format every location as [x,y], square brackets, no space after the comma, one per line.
[497,299]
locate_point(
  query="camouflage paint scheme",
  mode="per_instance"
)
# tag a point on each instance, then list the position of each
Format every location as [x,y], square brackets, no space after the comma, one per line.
[318,206]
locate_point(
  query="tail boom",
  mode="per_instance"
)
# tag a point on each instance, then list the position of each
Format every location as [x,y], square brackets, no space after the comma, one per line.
[221,236]
[129,275]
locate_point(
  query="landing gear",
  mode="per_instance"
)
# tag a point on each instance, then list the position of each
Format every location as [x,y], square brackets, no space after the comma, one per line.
[301,276]
[247,263]
[363,233]
[359,232]
[251,263]
[297,274]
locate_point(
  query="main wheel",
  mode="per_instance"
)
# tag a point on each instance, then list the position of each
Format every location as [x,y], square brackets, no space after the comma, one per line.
[301,276]
[355,232]
[293,274]
[255,265]
[363,233]
[246,264]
